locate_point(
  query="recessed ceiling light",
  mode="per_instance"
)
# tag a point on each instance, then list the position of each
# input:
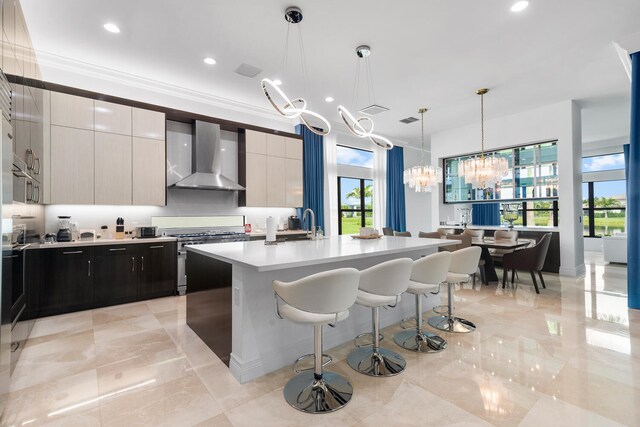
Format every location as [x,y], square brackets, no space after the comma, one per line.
[329,99]
[209,61]
[277,82]
[519,6]
[111,27]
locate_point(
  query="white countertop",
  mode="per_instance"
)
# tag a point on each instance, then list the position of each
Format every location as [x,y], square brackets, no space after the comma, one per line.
[98,242]
[304,253]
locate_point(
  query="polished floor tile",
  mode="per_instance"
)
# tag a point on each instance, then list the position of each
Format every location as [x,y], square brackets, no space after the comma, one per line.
[568,356]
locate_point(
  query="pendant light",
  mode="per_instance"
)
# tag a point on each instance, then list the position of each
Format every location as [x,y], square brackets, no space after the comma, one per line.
[296,108]
[362,127]
[422,178]
[487,170]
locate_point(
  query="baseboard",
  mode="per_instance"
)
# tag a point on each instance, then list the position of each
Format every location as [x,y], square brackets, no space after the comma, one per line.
[245,372]
[576,271]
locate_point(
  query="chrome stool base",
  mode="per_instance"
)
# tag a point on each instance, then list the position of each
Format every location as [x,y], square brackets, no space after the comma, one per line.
[452,324]
[380,363]
[317,396]
[421,342]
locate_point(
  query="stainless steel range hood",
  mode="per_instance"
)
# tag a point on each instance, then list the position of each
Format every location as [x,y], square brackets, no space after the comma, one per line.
[205,163]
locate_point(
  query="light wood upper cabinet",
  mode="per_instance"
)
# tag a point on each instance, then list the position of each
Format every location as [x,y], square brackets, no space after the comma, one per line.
[113,118]
[256,180]
[272,170]
[256,142]
[148,124]
[293,148]
[72,166]
[149,171]
[71,111]
[112,169]
[293,187]
[276,145]
[276,181]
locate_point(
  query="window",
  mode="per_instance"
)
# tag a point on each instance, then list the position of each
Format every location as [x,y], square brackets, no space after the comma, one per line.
[539,213]
[354,157]
[533,174]
[607,162]
[355,204]
[604,207]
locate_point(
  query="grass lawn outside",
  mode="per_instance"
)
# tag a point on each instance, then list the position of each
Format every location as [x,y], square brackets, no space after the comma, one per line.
[352,225]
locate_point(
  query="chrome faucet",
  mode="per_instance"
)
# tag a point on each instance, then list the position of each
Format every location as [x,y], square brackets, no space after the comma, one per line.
[311,235]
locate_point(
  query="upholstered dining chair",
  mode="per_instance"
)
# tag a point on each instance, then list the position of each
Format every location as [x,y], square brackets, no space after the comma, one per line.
[431,235]
[402,233]
[444,231]
[528,259]
[503,235]
[387,231]
[476,234]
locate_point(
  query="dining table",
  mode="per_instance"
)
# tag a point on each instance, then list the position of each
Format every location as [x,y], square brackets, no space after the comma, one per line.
[490,243]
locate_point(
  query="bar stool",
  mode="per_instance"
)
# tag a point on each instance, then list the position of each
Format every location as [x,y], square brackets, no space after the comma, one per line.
[464,262]
[380,286]
[320,299]
[426,275]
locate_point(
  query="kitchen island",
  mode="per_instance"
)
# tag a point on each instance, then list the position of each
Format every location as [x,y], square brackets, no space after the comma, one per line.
[231,305]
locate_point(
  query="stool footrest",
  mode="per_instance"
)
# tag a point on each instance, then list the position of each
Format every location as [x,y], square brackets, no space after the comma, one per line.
[367,344]
[328,360]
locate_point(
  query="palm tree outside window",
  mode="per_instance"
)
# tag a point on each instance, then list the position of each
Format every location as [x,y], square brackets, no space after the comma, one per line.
[355,204]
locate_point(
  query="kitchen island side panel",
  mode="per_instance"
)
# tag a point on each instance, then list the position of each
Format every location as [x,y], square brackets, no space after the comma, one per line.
[209,302]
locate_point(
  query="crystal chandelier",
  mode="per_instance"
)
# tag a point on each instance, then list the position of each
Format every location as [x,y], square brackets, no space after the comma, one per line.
[422,178]
[484,171]
[296,108]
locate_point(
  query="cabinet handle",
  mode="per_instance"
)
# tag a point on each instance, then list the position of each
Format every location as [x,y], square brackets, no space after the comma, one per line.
[89,269]
[156,247]
[142,267]
[71,252]
[117,249]
[133,263]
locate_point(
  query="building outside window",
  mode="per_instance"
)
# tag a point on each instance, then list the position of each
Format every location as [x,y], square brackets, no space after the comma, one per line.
[355,189]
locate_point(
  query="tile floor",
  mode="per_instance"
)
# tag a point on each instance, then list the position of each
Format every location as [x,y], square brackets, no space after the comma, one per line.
[567,357]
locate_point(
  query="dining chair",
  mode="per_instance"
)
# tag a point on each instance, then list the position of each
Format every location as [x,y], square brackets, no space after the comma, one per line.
[444,231]
[465,242]
[387,231]
[528,259]
[430,235]
[503,235]
[476,234]
[402,233]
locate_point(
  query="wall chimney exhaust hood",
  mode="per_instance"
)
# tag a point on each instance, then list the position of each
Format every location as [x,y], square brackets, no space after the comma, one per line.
[205,162]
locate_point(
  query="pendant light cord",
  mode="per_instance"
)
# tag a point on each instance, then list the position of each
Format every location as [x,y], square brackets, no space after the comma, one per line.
[422,142]
[482,123]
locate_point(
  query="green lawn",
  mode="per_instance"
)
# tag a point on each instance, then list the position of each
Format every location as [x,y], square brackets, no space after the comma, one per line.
[352,225]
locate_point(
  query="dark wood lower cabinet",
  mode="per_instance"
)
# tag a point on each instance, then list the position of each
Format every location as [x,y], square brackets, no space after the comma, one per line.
[71,279]
[69,284]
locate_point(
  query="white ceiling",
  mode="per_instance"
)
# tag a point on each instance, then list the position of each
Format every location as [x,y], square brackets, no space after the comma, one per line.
[424,52]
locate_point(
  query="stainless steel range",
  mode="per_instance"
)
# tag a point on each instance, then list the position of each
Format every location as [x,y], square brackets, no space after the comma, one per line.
[200,237]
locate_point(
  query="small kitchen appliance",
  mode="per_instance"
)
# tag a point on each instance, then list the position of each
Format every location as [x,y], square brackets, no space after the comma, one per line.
[64,233]
[146,232]
[294,223]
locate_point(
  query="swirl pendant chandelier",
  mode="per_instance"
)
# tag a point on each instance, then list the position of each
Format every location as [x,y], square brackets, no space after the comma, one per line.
[484,171]
[422,178]
[296,108]
[362,127]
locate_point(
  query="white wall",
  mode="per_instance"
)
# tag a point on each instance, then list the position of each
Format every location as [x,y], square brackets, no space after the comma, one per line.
[559,121]
[418,205]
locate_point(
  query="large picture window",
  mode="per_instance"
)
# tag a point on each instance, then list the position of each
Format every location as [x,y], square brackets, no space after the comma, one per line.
[355,204]
[533,174]
[604,207]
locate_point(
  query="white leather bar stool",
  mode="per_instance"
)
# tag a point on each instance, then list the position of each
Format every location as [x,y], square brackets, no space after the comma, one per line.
[464,263]
[426,275]
[320,299]
[380,286]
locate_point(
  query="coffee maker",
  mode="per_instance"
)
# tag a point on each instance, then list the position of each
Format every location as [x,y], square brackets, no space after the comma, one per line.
[64,233]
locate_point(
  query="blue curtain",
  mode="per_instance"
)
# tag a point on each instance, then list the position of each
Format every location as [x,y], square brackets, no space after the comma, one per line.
[633,189]
[312,175]
[396,213]
[485,214]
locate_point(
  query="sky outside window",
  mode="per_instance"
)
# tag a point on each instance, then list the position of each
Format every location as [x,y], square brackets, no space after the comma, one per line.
[603,163]
[354,157]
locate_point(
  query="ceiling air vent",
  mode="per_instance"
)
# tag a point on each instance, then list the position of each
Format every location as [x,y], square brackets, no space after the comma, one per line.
[248,70]
[408,120]
[374,109]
